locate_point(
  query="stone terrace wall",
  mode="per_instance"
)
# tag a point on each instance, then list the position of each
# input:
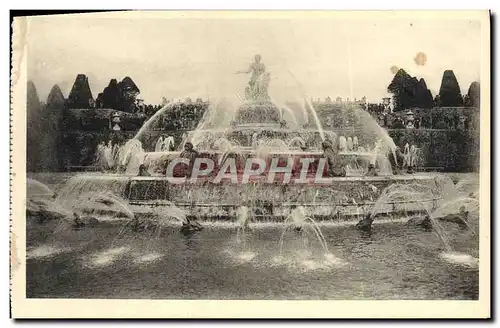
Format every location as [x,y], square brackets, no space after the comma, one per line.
[445,146]
[446,150]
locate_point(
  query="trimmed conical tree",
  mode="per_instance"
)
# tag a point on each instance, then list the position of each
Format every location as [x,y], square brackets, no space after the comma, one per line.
[409,92]
[449,93]
[51,140]
[128,85]
[80,95]
[129,92]
[474,95]
[111,95]
[99,101]
[34,126]
[424,96]
[32,99]
[397,88]
[55,98]
[404,89]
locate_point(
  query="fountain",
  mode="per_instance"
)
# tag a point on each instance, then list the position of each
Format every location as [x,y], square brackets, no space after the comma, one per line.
[420,199]
[36,189]
[244,166]
[77,196]
[300,222]
[462,212]
[412,157]
[165,144]
[244,146]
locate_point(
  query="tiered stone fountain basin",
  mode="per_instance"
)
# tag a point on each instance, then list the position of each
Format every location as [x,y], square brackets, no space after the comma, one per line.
[337,199]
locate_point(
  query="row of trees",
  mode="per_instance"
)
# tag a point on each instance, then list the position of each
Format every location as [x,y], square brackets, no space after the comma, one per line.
[120,96]
[409,92]
[51,125]
[48,122]
[45,126]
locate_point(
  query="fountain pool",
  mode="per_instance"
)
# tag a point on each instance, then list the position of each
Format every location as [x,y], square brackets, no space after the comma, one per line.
[278,220]
[395,261]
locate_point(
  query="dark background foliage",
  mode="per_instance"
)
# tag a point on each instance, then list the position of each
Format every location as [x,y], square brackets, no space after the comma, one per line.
[64,133]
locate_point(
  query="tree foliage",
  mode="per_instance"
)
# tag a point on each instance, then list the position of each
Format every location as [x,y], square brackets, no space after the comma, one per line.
[449,93]
[119,95]
[33,108]
[473,95]
[80,95]
[52,122]
[409,92]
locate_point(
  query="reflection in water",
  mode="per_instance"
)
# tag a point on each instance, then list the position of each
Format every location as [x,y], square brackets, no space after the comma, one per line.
[107,257]
[43,251]
[460,259]
[191,241]
[366,235]
[322,261]
[147,258]
[206,264]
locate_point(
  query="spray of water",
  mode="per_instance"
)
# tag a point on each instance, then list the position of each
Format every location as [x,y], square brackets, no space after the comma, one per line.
[298,220]
[455,206]
[164,144]
[125,158]
[468,186]
[289,111]
[296,142]
[35,188]
[147,125]
[103,202]
[242,221]
[410,198]
[310,106]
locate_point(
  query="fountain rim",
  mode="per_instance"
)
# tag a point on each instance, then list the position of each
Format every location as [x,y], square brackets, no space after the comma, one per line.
[287,204]
[402,177]
[271,127]
[250,150]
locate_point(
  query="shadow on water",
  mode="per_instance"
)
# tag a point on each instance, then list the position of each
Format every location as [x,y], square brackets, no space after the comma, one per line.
[376,258]
[366,235]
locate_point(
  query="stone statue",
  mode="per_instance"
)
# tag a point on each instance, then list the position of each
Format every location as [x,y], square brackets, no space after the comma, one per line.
[259,81]
[264,86]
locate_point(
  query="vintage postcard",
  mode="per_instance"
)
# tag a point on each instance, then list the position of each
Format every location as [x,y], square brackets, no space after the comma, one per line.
[241,164]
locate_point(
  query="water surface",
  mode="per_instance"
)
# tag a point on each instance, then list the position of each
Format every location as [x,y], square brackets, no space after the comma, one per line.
[393,262]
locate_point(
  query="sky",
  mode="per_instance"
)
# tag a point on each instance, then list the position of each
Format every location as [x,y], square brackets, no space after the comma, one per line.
[197,57]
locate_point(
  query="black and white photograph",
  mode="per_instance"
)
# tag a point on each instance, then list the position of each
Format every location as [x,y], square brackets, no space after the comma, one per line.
[251,156]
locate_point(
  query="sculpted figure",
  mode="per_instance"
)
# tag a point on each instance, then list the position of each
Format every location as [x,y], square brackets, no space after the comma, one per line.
[259,79]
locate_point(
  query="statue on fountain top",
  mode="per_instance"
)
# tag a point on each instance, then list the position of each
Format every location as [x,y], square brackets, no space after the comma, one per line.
[259,81]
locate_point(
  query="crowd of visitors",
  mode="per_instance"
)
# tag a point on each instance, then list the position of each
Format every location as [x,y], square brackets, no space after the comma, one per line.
[78,122]
[178,116]
[186,116]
